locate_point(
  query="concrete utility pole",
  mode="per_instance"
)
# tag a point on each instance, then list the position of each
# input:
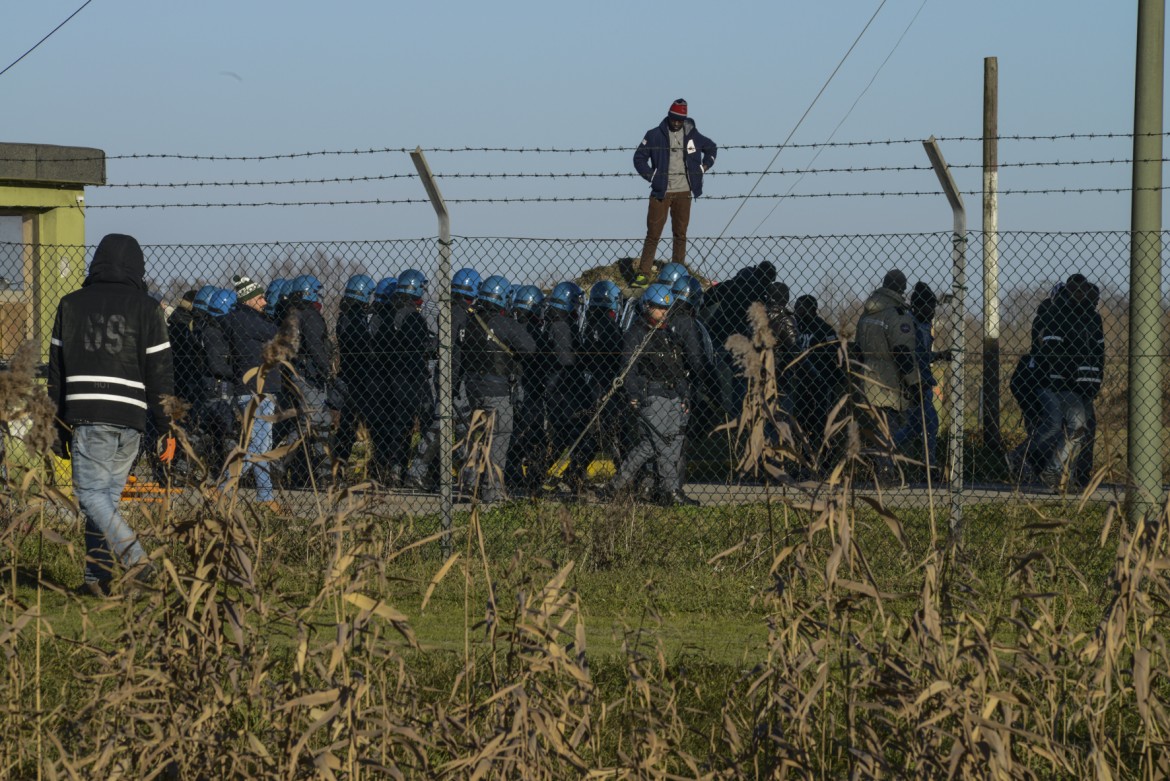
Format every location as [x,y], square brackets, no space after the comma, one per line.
[1144,456]
[990,407]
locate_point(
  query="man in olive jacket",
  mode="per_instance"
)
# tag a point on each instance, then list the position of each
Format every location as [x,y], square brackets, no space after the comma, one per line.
[885,337]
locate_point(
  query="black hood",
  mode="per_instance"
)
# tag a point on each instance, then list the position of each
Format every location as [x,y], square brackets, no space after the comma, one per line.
[118,260]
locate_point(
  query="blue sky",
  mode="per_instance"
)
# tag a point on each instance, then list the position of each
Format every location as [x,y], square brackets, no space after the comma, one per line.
[259,78]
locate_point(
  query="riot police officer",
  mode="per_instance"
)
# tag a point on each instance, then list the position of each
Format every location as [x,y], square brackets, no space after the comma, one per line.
[353,371]
[406,344]
[657,388]
[491,347]
[567,404]
[527,462]
[216,413]
[599,355]
[308,390]
[421,473]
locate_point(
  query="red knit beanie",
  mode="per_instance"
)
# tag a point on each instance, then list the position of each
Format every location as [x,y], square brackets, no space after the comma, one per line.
[678,109]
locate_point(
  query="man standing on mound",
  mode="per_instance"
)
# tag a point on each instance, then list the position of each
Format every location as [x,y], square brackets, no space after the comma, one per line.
[673,158]
[109,362]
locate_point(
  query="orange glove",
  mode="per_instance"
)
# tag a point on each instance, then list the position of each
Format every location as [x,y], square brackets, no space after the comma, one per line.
[166,449]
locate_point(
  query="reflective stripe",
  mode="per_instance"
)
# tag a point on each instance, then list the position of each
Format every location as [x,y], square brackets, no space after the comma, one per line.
[1052,337]
[158,348]
[56,342]
[1088,369]
[104,397]
[108,380]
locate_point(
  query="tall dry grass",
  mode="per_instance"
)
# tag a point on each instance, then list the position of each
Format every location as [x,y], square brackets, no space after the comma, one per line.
[282,647]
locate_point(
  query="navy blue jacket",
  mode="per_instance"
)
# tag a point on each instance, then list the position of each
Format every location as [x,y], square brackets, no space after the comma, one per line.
[247,332]
[652,157]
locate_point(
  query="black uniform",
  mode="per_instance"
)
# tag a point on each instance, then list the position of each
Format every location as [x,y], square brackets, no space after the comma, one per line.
[404,344]
[307,391]
[355,380]
[423,471]
[657,386]
[599,355]
[491,347]
[568,406]
[215,411]
[528,453]
[817,380]
[185,350]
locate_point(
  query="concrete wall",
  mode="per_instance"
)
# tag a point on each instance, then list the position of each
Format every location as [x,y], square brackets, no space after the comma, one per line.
[44,185]
[54,232]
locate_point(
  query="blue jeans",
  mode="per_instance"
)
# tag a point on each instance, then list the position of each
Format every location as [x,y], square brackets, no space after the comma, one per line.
[102,457]
[1061,432]
[259,442]
[920,422]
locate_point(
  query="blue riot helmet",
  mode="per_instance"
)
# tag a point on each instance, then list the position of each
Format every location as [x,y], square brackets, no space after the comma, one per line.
[360,288]
[385,289]
[565,297]
[412,283]
[494,290]
[526,298]
[203,298]
[694,292]
[671,273]
[658,294]
[605,295]
[273,295]
[466,282]
[682,289]
[308,286]
[222,301]
[285,291]
[272,292]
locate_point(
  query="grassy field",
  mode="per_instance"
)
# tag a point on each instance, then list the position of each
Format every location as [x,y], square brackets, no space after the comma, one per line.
[558,640]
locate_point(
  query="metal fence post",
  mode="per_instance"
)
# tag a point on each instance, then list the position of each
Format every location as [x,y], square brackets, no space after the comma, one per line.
[958,327]
[1144,452]
[443,292]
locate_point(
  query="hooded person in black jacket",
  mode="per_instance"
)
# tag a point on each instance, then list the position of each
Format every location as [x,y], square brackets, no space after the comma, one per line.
[109,363]
[1070,354]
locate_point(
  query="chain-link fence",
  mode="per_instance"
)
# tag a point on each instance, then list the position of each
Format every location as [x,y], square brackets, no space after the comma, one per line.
[854,370]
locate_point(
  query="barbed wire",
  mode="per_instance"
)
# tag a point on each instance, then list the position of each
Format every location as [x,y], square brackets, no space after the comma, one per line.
[565,150]
[619,198]
[612,174]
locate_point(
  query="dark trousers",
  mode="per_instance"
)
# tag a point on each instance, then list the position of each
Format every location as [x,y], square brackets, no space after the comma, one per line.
[678,206]
[527,463]
[347,431]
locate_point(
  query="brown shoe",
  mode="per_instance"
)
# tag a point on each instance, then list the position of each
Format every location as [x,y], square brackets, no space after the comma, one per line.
[98,589]
[272,506]
[141,577]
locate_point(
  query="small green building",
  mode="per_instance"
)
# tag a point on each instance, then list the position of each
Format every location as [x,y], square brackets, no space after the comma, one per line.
[42,234]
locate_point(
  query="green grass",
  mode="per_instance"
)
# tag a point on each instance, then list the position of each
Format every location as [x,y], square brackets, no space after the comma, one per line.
[693,594]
